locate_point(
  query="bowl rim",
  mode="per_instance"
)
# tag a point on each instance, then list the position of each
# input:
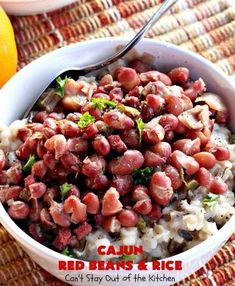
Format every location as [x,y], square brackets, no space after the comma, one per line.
[25,239]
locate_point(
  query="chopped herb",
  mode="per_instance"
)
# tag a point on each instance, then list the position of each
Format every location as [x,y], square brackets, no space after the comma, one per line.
[191,185]
[142,176]
[128,257]
[130,111]
[232,139]
[101,103]
[85,120]
[60,84]
[210,200]
[67,252]
[28,165]
[64,189]
[141,224]
[140,127]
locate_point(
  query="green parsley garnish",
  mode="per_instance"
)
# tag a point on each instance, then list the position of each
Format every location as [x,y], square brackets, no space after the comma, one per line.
[28,165]
[191,185]
[232,139]
[60,84]
[142,176]
[128,257]
[64,189]
[85,120]
[67,252]
[101,103]
[210,200]
[140,127]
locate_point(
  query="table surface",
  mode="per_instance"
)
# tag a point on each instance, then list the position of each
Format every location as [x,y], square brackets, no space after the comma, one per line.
[205,27]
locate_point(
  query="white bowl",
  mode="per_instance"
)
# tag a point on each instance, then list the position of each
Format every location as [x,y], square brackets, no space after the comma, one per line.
[20,91]
[30,7]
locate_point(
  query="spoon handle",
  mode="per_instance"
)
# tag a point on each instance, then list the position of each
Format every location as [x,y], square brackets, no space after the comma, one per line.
[156,16]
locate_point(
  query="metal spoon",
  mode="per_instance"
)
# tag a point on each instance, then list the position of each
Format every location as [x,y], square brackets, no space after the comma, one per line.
[76,71]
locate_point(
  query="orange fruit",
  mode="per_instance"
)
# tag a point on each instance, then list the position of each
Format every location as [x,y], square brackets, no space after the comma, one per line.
[8,51]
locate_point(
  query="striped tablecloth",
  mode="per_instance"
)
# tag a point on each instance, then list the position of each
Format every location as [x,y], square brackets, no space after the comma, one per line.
[205,27]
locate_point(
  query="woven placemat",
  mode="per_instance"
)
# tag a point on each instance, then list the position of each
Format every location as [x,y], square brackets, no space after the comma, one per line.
[205,27]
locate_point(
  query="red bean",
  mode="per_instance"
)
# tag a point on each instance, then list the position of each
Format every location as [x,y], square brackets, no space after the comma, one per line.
[57,144]
[73,205]
[73,102]
[174,175]
[111,224]
[83,230]
[36,207]
[153,132]
[139,66]
[188,146]
[92,203]
[123,184]
[155,76]
[77,145]
[218,186]
[68,128]
[155,102]
[222,117]
[222,153]
[110,203]
[179,75]
[93,165]
[163,149]
[101,145]
[180,160]
[56,115]
[46,219]
[169,122]
[160,188]
[62,239]
[186,102]
[37,190]
[131,138]
[203,136]
[75,116]
[23,152]
[128,218]
[152,159]
[116,94]
[173,104]
[71,162]
[24,133]
[116,143]
[128,78]
[140,193]
[169,136]
[14,173]
[205,159]
[40,116]
[147,113]
[156,87]
[127,163]
[181,128]
[41,150]
[136,91]
[100,182]
[106,79]
[58,215]
[18,210]
[49,161]
[8,193]
[118,120]
[143,207]
[203,177]
[132,101]
[155,213]
[35,231]
[198,87]
[39,169]
[90,131]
